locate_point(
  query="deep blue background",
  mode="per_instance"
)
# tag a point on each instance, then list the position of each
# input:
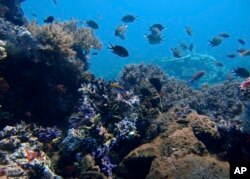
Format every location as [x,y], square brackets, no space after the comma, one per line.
[208,18]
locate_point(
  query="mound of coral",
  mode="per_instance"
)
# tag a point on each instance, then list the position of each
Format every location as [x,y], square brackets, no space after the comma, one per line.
[43,67]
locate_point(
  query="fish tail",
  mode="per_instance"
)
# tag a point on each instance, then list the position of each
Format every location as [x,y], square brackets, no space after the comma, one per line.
[110,46]
[191,81]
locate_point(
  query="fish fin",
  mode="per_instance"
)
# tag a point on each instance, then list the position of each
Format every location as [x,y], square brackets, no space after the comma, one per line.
[110,46]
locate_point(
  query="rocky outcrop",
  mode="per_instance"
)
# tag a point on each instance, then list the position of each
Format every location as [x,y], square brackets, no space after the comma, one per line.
[181,151]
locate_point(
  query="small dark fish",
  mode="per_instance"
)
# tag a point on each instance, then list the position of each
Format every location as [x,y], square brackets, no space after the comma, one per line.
[119,50]
[183,46]
[224,35]
[129,18]
[241,50]
[176,52]
[94,53]
[189,30]
[158,26]
[231,56]
[154,39]
[191,47]
[215,41]
[55,2]
[242,42]
[92,24]
[245,53]
[155,31]
[49,19]
[241,72]
[219,64]
[197,76]
[120,31]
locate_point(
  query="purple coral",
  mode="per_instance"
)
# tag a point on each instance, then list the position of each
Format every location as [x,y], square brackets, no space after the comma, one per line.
[125,129]
[47,134]
[107,167]
[101,157]
[84,115]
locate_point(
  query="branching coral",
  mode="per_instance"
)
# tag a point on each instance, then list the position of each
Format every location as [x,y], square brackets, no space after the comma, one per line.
[106,117]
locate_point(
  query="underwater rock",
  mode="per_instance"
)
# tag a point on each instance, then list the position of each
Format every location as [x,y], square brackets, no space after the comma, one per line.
[88,164]
[176,144]
[9,144]
[190,166]
[93,175]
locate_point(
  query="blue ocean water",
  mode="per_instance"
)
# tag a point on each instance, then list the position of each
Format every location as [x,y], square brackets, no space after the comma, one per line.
[207,18]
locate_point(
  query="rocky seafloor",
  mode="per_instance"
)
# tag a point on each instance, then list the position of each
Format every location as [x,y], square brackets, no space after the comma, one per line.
[58,120]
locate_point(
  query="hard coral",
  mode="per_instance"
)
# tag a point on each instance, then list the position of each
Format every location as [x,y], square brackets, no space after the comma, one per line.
[223,101]
[47,134]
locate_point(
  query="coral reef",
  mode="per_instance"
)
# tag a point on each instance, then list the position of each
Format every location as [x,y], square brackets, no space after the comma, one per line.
[106,129]
[64,40]
[223,102]
[105,119]
[22,155]
[44,68]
